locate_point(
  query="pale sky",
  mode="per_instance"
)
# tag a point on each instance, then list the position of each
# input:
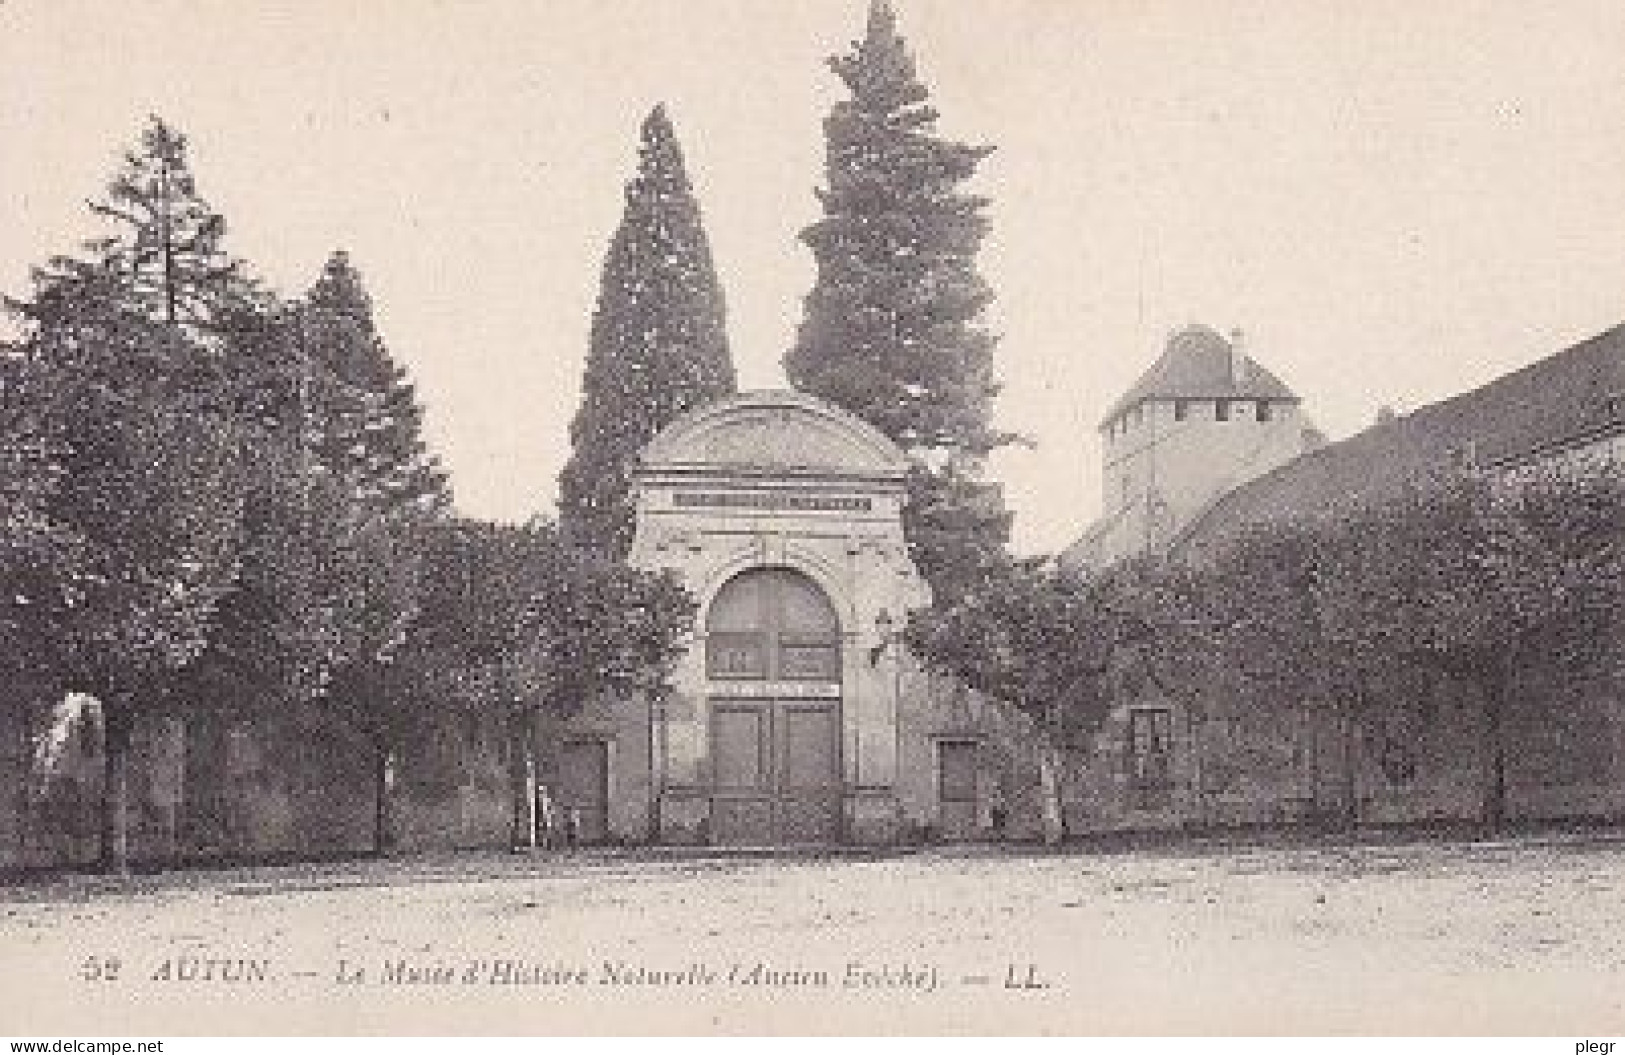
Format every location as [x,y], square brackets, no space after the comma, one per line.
[1396,199]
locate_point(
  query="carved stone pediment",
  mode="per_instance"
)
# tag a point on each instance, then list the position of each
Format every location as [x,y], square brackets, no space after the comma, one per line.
[774,431]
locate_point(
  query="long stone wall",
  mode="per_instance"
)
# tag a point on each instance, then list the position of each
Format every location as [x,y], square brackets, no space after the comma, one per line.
[1244,758]
[214,787]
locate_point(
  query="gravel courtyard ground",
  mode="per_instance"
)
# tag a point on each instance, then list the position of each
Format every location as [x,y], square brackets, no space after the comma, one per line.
[1520,937]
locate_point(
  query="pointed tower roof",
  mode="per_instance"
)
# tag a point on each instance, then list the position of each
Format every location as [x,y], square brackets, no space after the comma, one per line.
[1200,364]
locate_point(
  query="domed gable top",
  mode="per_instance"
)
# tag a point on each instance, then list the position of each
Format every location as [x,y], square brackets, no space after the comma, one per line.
[1200,364]
[777,432]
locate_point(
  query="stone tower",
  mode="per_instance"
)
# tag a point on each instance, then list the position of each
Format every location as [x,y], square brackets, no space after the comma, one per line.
[1204,419]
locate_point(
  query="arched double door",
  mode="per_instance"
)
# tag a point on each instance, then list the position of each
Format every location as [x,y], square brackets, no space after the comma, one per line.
[773,664]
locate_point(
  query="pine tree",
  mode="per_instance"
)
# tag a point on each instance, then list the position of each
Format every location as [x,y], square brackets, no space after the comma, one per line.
[891,330]
[369,421]
[369,491]
[891,327]
[165,246]
[344,491]
[658,343]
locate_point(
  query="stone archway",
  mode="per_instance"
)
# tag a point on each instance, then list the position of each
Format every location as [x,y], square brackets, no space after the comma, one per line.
[783,515]
[773,672]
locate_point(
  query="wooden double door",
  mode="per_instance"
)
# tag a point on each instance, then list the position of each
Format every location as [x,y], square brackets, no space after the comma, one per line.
[776,774]
[773,657]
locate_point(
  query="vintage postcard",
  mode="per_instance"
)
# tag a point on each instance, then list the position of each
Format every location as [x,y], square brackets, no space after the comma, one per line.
[931,517]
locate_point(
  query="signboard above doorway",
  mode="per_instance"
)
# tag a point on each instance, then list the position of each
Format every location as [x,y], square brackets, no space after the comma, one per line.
[773,500]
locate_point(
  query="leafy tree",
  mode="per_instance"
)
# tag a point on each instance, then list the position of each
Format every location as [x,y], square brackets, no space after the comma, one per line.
[42,559]
[891,330]
[600,628]
[151,452]
[477,579]
[1267,624]
[658,344]
[263,650]
[147,494]
[1480,580]
[535,628]
[1043,641]
[1460,576]
[151,457]
[369,588]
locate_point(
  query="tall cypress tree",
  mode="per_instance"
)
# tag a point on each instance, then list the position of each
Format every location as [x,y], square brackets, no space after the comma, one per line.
[658,344]
[892,327]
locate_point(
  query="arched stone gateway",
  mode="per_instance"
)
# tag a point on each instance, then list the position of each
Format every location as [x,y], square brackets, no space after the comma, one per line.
[796,718]
[783,517]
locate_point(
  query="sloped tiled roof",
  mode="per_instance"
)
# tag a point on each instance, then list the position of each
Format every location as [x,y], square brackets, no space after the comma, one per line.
[1196,364]
[1081,551]
[1563,398]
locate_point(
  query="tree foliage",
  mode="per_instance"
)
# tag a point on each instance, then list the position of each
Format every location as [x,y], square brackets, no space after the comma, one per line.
[1043,641]
[42,557]
[957,529]
[518,620]
[211,498]
[344,492]
[658,345]
[370,423]
[533,622]
[1038,639]
[228,555]
[1464,576]
[164,245]
[1477,578]
[147,479]
[892,328]
[1474,578]
[137,459]
[138,500]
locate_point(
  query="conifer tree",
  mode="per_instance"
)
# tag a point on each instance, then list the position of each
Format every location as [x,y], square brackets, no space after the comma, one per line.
[658,343]
[163,247]
[379,488]
[344,489]
[370,422]
[891,330]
